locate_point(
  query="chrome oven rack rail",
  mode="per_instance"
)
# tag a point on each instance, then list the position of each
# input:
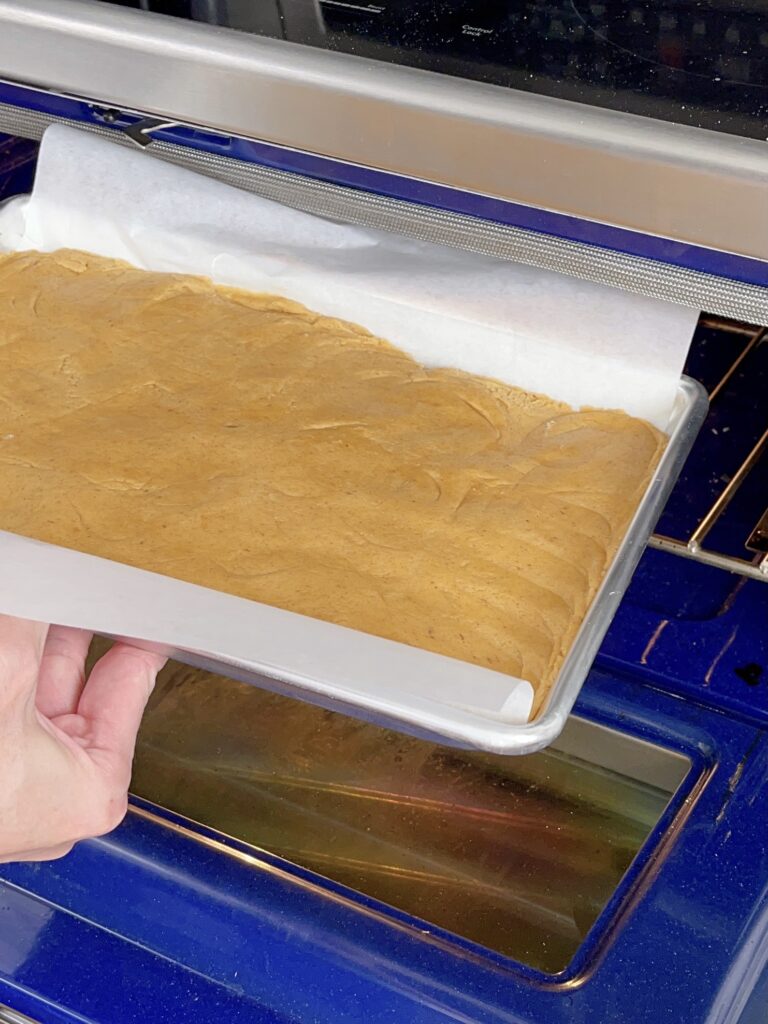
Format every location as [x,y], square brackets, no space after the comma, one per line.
[755,563]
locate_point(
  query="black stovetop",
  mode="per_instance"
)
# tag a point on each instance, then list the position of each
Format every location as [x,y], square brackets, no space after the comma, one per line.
[699,62]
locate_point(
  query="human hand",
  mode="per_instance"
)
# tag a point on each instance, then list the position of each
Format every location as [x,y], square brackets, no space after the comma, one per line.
[66,744]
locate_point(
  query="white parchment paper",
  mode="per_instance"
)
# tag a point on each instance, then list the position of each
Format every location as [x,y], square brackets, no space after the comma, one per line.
[578,342]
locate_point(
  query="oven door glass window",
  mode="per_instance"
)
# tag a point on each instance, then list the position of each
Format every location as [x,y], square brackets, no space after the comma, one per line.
[516,854]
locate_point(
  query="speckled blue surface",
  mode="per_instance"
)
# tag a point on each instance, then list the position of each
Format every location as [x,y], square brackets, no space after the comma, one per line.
[150,925]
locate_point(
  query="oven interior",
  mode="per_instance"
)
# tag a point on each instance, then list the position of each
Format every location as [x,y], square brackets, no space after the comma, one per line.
[516,854]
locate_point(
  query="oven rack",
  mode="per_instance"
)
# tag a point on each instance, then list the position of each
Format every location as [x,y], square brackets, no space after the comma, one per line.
[693,547]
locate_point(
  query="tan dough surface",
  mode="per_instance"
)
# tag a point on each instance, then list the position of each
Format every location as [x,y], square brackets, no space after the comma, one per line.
[243,443]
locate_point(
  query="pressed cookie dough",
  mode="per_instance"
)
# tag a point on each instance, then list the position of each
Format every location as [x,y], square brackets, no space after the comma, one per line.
[242,442]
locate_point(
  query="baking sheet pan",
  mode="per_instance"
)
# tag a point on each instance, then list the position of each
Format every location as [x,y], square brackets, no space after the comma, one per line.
[578,342]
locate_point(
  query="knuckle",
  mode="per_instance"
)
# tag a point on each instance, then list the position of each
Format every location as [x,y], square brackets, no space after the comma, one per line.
[142,662]
[62,663]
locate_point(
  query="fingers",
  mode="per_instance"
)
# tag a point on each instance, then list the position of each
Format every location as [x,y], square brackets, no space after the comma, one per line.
[21,648]
[62,671]
[55,791]
[65,770]
[114,700]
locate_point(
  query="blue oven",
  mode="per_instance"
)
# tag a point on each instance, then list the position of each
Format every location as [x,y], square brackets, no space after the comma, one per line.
[281,863]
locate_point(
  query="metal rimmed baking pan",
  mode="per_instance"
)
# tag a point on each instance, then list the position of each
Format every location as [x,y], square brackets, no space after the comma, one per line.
[342,669]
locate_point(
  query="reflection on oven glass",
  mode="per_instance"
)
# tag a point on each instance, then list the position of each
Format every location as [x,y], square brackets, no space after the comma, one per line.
[517,854]
[688,61]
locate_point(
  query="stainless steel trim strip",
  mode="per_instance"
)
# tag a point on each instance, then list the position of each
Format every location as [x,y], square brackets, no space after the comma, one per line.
[626,755]
[684,183]
[718,296]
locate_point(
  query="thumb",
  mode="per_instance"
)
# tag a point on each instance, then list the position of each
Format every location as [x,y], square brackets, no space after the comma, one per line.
[114,700]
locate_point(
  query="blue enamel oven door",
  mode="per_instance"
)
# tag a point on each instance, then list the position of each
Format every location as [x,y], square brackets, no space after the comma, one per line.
[282,864]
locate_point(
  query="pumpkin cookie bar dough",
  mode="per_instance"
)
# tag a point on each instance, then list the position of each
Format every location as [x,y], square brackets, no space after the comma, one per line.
[244,443]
